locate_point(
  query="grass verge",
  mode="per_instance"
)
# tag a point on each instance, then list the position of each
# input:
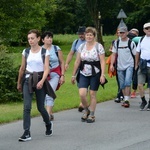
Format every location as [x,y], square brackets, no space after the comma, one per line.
[67,96]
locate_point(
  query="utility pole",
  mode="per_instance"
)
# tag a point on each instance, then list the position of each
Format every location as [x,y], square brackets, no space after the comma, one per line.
[100,30]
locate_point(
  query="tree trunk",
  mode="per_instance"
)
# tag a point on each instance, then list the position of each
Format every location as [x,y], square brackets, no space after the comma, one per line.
[92,6]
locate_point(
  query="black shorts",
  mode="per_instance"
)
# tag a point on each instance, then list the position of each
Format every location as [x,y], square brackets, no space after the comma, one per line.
[91,82]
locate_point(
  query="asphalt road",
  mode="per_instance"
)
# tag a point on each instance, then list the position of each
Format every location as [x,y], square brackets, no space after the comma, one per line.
[116,128]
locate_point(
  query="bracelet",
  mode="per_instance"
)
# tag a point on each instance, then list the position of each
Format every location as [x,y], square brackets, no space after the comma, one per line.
[62,75]
[73,76]
[103,75]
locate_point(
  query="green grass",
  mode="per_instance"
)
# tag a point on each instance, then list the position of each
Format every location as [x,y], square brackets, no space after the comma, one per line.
[67,95]
[65,41]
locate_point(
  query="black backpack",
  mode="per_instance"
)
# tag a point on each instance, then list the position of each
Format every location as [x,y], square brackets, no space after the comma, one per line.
[43,52]
[129,46]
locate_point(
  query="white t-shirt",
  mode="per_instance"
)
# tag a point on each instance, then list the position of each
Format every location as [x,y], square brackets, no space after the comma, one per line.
[90,56]
[144,48]
[34,61]
[125,58]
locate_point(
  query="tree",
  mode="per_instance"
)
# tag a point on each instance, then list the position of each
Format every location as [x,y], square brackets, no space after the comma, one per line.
[92,6]
[18,17]
[141,14]
[8,74]
[63,16]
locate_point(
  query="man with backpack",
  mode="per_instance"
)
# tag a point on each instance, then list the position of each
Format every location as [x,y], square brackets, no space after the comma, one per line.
[125,50]
[76,43]
[143,60]
[74,48]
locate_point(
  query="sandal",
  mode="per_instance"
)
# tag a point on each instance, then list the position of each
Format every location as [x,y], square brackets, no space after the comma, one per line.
[51,117]
[90,119]
[85,116]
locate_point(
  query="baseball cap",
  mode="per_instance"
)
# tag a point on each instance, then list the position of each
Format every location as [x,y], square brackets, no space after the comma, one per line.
[81,29]
[123,29]
[146,25]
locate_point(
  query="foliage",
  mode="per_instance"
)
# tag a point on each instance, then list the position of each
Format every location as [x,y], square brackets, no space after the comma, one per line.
[141,15]
[8,74]
[22,17]
[63,16]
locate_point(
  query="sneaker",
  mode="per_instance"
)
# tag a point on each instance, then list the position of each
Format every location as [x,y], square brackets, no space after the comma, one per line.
[143,104]
[49,129]
[80,108]
[51,117]
[117,100]
[85,116]
[90,119]
[25,137]
[126,104]
[148,107]
[133,95]
[121,98]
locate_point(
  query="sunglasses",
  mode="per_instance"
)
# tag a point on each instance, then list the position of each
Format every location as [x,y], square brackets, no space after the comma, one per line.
[147,28]
[121,32]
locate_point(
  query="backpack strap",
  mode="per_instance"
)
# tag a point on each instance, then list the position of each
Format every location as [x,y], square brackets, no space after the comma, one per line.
[82,46]
[141,41]
[56,51]
[27,52]
[142,38]
[43,52]
[117,45]
[129,46]
[76,42]
[95,46]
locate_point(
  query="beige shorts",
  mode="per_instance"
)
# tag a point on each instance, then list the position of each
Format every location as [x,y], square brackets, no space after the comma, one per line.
[143,78]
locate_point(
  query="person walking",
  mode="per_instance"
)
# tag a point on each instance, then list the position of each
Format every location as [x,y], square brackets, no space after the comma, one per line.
[35,72]
[73,51]
[134,36]
[75,45]
[57,69]
[143,60]
[119,96]
[125,63]
[91,56]
[133,33]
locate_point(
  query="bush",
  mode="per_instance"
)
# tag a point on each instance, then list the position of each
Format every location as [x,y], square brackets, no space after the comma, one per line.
[8,75]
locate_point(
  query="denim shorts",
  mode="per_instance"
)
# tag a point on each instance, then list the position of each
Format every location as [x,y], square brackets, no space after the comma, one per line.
[91,82]
[125,77]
